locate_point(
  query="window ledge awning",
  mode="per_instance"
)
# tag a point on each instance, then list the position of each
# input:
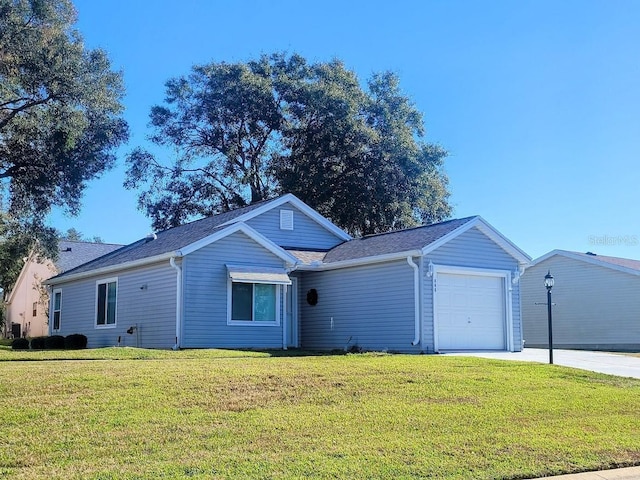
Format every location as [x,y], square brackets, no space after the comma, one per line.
[249,274]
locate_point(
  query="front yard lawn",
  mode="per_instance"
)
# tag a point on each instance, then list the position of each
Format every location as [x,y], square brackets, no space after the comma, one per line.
[206,414]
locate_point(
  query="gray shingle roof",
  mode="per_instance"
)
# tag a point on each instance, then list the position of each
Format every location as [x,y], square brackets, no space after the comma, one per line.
[621,262]
[72,254]
[166,241]
[393,242]
[174,239]
[308,257]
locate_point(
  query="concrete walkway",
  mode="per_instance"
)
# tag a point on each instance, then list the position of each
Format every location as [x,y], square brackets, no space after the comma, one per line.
[631,473]
[610,363]
[602,362]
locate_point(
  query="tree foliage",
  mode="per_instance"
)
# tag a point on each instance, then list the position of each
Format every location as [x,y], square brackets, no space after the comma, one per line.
[60,119]
[75,236]
[244,132]
[59,108]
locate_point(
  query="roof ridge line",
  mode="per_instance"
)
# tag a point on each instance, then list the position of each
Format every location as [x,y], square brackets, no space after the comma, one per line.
[417,227]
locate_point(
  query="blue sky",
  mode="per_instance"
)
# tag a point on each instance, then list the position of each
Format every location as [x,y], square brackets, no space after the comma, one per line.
[538,102]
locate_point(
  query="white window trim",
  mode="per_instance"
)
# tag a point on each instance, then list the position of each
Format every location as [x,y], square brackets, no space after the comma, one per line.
[95,313]
[253,323]
[53,309]
[508,300]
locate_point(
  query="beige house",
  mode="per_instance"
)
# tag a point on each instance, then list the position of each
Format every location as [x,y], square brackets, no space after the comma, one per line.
[595,299]
[26,305]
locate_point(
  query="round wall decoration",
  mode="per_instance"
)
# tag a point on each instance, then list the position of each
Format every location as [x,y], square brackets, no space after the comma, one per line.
[312,297]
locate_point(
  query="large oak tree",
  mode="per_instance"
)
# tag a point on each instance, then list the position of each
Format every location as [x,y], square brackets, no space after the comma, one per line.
[60,120]
[243,132]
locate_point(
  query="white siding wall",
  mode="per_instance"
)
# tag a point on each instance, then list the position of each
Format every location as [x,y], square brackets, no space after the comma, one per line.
[306,232]
[472,249]
[152,309]
[595,307]
[206,293]
[371,306]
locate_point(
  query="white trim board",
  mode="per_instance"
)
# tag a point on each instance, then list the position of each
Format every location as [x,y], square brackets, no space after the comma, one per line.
[489,231]
[591,259]
[249,232]
[203,242]
[301,206]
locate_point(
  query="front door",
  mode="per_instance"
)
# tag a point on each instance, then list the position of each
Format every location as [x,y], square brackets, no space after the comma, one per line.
[15,330]
[291,312]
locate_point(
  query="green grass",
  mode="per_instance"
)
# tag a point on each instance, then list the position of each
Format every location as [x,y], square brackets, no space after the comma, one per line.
[121,353]
[219,414]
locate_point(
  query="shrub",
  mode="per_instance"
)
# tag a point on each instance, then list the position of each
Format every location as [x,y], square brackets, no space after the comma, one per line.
[37,343]
[75,341]
[20,344]
[54,342]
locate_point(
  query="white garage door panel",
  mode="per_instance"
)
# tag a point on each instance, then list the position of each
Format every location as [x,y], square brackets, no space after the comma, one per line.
[470,312]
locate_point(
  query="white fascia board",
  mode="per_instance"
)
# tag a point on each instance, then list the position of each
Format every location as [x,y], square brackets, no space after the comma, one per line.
[249,232]
[361,261]
[301,206]
[489,231]
[112,268]
[593,260]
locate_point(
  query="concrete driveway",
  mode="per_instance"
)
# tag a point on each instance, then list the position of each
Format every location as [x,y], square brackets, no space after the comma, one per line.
[611,363]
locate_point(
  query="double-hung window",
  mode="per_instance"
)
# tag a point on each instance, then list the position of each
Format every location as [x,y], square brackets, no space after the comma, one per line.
[106,300]
[254,295]
[57,309]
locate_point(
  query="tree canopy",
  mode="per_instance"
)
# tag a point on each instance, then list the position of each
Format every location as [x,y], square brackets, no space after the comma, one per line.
[244,132]
[60,116]
[75,236]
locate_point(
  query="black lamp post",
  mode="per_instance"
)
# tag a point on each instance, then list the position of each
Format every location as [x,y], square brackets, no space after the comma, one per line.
[548,283]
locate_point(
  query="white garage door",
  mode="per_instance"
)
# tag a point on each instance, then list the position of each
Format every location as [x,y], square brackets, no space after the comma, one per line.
[470,312]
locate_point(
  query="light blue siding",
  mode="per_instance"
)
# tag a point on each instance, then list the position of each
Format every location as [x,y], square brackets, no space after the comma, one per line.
[206,284]
[306,233]
[471,249]
[371,306]
[152,309]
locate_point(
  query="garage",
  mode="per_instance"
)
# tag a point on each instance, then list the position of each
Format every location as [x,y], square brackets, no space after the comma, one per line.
[470,312]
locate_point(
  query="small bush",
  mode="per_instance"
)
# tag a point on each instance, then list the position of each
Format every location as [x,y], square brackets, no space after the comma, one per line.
[20,344]
[37,343]
[54,342]
[75,341]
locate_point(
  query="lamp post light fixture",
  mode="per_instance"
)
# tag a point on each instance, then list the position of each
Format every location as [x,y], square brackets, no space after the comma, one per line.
[548,283]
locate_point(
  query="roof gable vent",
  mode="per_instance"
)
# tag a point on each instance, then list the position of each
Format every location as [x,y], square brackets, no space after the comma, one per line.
[286,219]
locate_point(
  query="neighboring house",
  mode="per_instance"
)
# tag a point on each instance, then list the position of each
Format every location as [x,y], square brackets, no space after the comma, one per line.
[26,305]
[595,300]
[277,274]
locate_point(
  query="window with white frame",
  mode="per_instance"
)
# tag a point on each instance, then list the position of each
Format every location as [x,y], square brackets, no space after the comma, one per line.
[255,302]
[106,300]
[57,309]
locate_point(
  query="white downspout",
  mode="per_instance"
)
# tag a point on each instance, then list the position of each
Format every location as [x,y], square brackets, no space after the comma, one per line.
[172,262]
[416,300]
[284,320]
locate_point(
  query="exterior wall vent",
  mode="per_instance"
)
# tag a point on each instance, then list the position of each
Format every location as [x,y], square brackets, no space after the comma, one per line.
[286,219]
